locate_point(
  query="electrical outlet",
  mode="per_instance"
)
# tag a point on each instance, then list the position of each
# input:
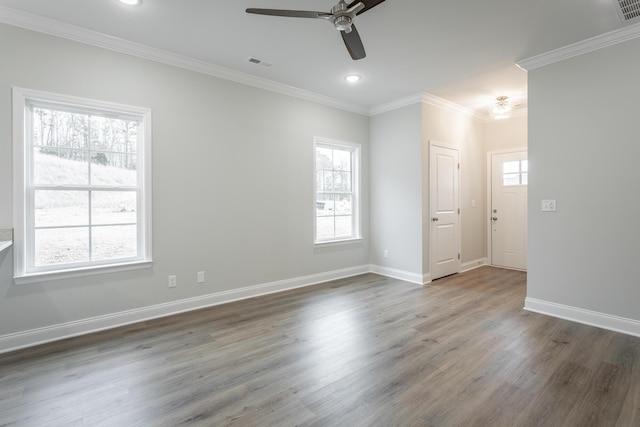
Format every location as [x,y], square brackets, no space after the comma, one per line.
[173,281]
[386,253]
[200,276]
[548,206]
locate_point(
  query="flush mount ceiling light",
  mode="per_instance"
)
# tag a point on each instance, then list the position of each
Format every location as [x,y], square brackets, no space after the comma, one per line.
[352,78]
[502,109]
[131,2]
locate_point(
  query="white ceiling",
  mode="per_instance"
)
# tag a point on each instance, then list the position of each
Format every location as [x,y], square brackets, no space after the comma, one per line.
[463,51]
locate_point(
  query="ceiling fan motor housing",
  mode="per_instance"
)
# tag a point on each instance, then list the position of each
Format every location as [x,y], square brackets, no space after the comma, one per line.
[343,15]
[343,23]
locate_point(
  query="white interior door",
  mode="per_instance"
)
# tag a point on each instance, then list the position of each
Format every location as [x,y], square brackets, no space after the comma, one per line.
[445,215]
[509,180]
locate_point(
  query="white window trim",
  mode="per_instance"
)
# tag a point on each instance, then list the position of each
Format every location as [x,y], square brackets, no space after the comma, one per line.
[21,97]
[356,148]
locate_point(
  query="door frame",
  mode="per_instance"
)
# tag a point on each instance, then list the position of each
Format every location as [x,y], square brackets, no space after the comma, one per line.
[455,147]
[488,212]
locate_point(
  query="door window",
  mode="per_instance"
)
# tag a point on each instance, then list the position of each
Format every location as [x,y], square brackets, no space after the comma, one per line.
[515,173]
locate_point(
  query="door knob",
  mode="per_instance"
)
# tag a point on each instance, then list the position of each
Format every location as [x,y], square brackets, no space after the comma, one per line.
[495,218]
[434,219]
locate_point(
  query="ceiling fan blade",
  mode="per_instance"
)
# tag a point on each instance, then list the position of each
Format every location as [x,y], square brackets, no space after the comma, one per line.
[354,43]
[290,13]
[368,4]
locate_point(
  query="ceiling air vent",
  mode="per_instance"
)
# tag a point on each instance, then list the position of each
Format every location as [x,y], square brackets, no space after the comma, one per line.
[628,9]
[260,61]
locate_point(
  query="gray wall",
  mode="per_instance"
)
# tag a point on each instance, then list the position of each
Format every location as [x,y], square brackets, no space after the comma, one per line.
[396,203]
[584,146]
[232,180]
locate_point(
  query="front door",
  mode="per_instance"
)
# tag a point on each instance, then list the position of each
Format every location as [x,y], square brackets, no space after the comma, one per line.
[445,215]
[509,179]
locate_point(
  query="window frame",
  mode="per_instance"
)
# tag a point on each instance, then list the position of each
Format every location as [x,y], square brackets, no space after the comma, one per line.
[25,270]
[355,149]
[521,173]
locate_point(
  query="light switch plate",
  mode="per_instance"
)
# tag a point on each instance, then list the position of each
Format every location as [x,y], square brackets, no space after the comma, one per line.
[548,206]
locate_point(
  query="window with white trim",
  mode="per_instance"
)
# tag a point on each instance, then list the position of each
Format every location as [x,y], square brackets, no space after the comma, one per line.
[337,198]
[82,185]
[515,173]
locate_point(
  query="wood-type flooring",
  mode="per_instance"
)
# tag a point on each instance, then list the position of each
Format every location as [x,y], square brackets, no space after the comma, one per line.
[362,351]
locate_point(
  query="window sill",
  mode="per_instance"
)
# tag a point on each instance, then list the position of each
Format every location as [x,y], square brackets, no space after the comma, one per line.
[79,272]
[5,245]
[338,242]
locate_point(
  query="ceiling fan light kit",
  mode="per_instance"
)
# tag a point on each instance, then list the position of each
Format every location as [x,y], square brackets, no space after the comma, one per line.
[342,16]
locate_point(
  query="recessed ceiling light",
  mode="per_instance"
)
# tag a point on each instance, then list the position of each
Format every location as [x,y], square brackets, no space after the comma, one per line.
[352,78]
[131,2]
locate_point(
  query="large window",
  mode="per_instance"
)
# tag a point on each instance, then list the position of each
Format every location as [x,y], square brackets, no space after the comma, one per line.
[336,191]
[81,186]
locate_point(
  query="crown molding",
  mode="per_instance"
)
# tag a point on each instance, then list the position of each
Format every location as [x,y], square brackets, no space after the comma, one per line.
[585,46]
[93,38]
[396,105]
[426,98]
[436,101]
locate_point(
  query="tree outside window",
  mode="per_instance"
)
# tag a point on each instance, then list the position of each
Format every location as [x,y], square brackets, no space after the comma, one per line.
[336,201]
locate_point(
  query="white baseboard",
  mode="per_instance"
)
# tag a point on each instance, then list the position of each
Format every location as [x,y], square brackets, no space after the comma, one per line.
[467,266]
[420,279]
[61,331]
[587,317]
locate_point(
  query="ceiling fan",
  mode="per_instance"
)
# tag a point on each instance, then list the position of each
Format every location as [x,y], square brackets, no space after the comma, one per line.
[342,16]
